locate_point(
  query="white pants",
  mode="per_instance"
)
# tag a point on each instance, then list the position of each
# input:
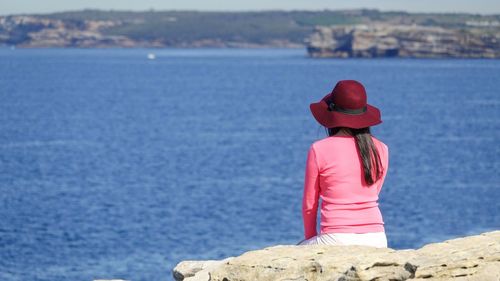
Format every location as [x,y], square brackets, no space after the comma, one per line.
[374,239]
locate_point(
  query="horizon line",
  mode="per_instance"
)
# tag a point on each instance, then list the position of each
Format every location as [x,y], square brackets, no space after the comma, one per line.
[153,10]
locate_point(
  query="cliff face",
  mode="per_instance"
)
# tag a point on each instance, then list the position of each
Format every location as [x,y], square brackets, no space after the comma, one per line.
[110,30]
[470,258]
[97,28]
[31,31]
[385,40]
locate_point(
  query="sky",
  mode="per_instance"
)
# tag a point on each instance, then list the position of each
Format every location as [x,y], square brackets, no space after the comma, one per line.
[47,6]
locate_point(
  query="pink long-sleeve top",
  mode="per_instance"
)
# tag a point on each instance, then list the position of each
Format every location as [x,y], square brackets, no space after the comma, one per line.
[334,173]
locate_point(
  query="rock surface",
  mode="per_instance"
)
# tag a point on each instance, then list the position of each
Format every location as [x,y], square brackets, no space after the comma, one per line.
[196,270]
[385,40]
[470,258]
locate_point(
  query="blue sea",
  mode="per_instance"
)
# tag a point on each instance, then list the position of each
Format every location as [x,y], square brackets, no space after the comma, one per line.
[116,166]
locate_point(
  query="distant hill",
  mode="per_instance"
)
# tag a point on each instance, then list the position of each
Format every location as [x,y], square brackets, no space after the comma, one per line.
[96,28]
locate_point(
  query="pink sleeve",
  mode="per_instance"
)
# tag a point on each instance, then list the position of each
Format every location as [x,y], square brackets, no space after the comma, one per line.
[311,195]
[385,163]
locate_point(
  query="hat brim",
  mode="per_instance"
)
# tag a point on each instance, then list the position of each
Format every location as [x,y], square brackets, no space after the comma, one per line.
[332,119]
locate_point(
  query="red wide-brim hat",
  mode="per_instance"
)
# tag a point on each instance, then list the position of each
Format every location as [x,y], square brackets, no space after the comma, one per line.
[346,106]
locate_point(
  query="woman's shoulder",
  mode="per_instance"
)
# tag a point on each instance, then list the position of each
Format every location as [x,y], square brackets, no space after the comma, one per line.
[382,148]
[381,143]
[330,141]
[340,140]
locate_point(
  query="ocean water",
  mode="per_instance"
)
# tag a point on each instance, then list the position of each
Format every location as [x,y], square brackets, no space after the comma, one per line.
[116,166]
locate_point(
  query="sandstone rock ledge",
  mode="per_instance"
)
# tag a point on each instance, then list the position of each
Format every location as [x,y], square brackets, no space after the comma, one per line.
[469,258]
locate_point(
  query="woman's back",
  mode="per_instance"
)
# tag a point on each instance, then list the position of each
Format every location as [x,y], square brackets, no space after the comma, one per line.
[334,173]
[346,170]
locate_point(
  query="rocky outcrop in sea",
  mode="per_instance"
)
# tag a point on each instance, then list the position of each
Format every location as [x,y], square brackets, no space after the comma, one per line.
[386,40]
[469,258]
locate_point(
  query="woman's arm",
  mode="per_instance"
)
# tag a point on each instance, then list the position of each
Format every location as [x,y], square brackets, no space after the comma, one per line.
[311,195]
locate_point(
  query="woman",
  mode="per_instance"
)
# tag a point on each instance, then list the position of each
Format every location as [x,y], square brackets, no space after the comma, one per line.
[346,170]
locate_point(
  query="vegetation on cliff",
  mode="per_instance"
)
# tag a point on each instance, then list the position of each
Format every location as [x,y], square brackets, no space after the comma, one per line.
[96,28]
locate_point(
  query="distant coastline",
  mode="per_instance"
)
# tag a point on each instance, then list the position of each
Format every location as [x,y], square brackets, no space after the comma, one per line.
[281,29]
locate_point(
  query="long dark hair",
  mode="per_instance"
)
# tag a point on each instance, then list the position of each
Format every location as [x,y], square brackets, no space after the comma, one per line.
[372,166]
